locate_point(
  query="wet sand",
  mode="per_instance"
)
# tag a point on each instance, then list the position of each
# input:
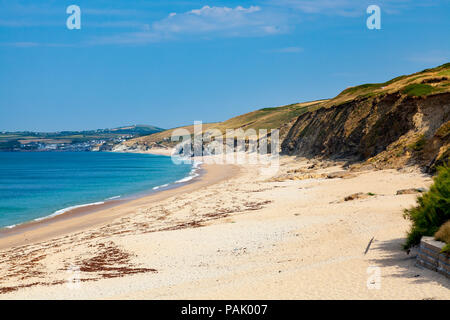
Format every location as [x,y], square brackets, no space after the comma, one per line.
[90,216]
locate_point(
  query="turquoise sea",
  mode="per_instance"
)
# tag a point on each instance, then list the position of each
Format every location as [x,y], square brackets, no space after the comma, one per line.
[35,185]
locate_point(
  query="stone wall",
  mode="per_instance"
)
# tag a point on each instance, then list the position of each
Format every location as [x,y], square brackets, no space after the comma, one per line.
[430,256]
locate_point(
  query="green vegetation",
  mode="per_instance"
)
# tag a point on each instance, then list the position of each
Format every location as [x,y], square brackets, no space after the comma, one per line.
[432,211]
[407,84]
[370,193]
[441,67]
[419,144]
[265,118]
[400,153]
[443,130]
[363,87]
[280,117]
[412,79]
[443,234]
[418,89]
[394,80]
[444,73]
[269,109]
[441,160]
[444,69]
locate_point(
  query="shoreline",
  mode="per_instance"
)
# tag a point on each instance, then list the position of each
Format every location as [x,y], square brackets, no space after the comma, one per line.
[90,215]
[234,234]
[156,151]
[86,208]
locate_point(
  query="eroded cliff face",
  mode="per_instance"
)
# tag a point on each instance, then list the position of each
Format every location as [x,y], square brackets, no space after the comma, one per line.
[390,130]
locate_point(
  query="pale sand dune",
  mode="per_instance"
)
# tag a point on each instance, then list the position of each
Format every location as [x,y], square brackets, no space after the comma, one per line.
[239,237]
[159,151]
[156,151]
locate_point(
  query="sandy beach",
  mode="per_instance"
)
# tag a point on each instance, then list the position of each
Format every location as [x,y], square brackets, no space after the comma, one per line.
[232,234]
[155,151]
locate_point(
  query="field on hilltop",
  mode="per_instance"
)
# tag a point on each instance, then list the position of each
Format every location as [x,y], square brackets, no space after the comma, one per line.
[419,84]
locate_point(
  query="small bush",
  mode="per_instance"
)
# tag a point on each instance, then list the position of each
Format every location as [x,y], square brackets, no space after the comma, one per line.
[362,88]
[442,159]
[443,130]
[419,144]
[443,234]
[446,249]
[432,211]
[418,89]
[444,73]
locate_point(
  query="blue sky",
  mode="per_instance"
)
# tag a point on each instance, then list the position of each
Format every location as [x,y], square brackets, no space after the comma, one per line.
[168,63]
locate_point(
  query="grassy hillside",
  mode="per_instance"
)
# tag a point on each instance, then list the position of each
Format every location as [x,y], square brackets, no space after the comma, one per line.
[402,121]
[420,84]
[266,118]
[363,121]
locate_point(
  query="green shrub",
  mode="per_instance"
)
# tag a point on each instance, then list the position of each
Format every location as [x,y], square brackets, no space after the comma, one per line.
[418,89]
[443,233]
[442,159]
[443,131]
[446,248]
[419,144]
[362,88]
[432,211]
[444,73]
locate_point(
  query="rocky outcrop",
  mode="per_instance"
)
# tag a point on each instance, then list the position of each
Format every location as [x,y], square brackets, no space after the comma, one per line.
[388,130]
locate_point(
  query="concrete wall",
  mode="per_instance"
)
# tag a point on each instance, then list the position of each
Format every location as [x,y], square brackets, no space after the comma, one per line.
[429,256]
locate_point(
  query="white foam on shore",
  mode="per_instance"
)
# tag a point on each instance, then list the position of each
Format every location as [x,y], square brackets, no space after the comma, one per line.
[161,186]
[58,212]
[112,198]
[193,173]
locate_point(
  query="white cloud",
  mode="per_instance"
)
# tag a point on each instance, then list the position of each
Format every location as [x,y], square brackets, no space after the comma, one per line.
[221,11]
[214,19]
[206,22]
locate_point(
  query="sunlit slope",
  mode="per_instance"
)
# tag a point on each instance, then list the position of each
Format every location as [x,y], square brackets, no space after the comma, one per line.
[420,84]
[399,122]
[392,122]
[266,118]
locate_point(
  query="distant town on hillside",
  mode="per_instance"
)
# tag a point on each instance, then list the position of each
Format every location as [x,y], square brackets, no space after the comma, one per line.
[91,140]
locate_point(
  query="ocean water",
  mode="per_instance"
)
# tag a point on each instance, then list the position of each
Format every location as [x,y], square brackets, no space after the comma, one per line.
[36,185]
